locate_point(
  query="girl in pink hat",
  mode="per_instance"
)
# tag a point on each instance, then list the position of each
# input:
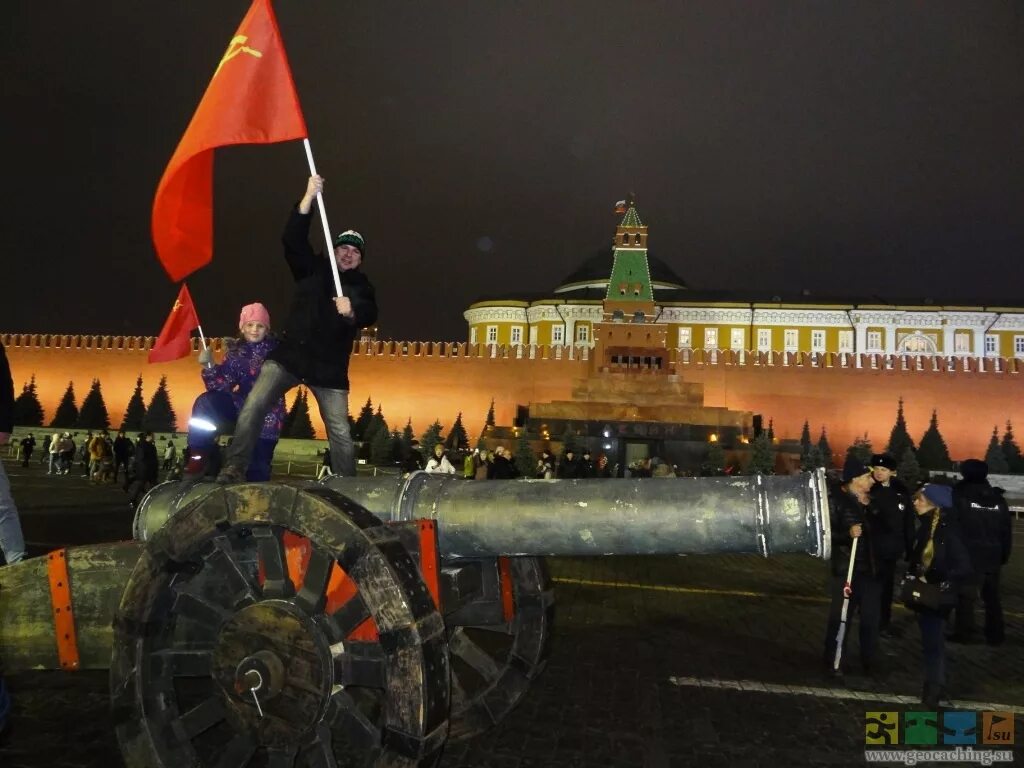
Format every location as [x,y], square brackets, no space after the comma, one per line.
[237,373]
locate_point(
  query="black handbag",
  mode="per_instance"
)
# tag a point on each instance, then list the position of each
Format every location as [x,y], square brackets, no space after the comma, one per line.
[919,595]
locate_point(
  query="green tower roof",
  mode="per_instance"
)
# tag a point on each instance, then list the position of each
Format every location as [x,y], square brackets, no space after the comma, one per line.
[632,218]
[631,277]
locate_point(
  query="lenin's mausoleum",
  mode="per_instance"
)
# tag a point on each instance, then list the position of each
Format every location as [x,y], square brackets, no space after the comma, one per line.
[635,363]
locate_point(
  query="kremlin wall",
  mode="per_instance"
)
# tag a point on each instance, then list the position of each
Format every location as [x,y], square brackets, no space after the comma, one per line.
[427,381]
[625,354]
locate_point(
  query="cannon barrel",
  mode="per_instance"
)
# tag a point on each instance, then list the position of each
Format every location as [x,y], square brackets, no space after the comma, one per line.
[703,515]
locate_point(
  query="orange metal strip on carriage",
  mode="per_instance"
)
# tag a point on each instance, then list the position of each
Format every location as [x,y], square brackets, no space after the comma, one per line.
[428,560]
[508,605]
[63,613]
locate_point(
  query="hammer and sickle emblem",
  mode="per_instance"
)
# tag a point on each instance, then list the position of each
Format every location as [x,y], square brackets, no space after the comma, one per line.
[235,47]
[176,307]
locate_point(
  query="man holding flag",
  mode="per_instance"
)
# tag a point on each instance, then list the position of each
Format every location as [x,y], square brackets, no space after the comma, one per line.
[251,99]
[316,342]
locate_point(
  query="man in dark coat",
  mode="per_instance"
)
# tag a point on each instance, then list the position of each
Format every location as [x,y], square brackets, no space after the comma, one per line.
[12,541]
[316,342]
[987,531]
[854,517]
[894,529]
[123,450]
[28,445]
[147,468]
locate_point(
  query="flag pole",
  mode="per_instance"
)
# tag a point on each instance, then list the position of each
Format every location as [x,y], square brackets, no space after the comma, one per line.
[323,218]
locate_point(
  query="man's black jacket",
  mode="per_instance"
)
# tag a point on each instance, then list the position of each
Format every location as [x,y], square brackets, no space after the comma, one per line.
[316,341]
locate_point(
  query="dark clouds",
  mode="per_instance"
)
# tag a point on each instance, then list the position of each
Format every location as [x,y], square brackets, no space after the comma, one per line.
[842,147]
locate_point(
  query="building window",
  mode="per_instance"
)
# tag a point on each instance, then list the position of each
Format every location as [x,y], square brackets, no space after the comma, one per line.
[764,339]
[817,341]
[557,336]
[846,341]
[472,335]
[517,334]
[736,341]
[991,344]
[583,333]
[492,334]
[962,343]
[791,339]
[685,338]
[1018,346]
[874,341]
[710,338]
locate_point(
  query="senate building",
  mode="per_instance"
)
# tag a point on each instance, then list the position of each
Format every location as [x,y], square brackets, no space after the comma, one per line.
[716,320]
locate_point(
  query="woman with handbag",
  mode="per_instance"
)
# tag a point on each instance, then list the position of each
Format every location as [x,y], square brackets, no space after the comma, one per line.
[938,566]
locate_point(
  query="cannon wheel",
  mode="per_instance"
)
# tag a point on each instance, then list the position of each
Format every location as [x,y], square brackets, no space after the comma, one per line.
[493,665]
[300,594]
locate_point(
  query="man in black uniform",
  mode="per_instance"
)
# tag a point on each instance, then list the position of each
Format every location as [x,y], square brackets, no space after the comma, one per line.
[987,531]
[893,529]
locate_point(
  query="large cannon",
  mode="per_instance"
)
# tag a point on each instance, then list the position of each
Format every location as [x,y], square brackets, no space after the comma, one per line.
[358,622]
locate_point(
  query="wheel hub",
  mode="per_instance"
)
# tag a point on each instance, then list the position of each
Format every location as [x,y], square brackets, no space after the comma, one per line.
[275,668]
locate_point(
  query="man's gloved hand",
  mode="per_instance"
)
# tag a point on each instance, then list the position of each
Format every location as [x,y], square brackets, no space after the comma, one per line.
[206,356]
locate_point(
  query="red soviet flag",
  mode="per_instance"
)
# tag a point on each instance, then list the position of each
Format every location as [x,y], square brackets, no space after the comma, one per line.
[175,340]
[250,100]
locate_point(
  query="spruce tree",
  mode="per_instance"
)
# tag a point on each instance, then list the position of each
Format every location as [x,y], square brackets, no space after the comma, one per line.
[406,439]
[932,452]
[135,412]
[805,438]
[909,470]
[771,431]
[811,460]
[714,462]
[363,421]
[899,438]
[431,438]
[488,425]
[457,438]
[994,456]
[377,424]
[299,425]
[825,450]
[524,459]
[1011,451]
[861,450]
[380,447]
[160,416]
[28,411]
[66,415]
[762,456]
[93,414]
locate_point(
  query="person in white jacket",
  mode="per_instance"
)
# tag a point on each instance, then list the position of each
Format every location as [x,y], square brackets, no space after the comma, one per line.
[439,462]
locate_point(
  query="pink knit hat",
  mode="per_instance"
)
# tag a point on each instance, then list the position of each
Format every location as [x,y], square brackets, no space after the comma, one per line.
[254,313]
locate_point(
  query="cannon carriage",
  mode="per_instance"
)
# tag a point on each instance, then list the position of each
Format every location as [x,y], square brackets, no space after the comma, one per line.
[357,622]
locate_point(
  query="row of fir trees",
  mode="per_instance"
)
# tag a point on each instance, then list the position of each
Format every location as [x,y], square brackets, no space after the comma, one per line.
[158,416]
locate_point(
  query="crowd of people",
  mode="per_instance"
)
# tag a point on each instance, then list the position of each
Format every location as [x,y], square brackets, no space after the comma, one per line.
[953,540]
[500,464]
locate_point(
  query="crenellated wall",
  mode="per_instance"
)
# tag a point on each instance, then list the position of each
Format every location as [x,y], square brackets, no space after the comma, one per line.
[425,381]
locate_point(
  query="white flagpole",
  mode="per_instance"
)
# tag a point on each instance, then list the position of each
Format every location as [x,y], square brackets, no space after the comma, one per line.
[323,218]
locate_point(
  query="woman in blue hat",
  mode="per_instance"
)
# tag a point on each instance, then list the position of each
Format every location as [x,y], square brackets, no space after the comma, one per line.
[939,558]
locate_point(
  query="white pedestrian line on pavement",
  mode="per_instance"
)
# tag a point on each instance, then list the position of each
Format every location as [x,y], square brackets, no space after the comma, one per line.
[834,693]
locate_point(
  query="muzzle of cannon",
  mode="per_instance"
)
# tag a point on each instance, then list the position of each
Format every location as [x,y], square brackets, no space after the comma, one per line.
[358,622]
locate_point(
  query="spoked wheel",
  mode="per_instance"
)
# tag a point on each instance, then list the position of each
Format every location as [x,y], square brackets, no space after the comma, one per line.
[493,665]
[268,626]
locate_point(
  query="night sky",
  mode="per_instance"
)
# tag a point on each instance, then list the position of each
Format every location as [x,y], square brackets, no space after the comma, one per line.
[842,147]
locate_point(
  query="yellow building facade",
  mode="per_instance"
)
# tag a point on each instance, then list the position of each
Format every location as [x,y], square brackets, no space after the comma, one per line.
[720,320]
